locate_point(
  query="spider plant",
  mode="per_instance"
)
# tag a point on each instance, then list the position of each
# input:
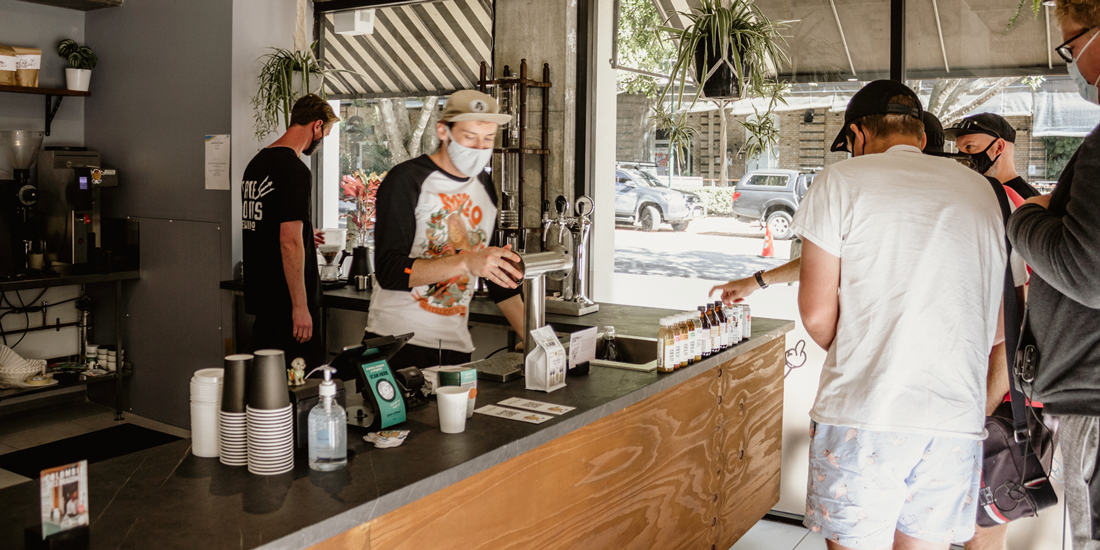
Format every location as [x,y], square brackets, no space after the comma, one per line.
[732,40]
[286,76]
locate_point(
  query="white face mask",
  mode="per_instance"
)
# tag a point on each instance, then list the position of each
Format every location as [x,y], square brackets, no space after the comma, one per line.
[468,160]
[1088,91]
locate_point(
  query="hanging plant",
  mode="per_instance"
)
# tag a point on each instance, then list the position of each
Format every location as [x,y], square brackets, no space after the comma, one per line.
[286,76]
[732,51]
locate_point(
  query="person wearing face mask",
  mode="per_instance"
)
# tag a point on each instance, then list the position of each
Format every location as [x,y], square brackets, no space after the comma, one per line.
[435,235]
[1058,235]
[282,287]
[989,141]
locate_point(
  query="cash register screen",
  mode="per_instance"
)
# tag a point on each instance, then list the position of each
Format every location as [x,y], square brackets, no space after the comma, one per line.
[84,183]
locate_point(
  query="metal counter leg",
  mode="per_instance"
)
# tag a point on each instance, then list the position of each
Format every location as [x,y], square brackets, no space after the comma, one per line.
[121,361]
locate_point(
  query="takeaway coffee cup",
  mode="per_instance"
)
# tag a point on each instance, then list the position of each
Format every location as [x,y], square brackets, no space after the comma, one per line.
[235,383]
[452,402]
[267,381]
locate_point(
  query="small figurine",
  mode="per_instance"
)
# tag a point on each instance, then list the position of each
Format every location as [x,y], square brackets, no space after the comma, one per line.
[297,373]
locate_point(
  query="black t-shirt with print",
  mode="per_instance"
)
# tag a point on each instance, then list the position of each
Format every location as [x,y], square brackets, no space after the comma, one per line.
[276,189]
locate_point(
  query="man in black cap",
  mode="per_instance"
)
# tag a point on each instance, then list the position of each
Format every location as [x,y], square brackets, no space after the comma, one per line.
[897,424]
[990,141]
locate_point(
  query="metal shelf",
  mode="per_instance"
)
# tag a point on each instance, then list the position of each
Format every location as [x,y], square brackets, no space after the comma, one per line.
[79,5]
[6,286]
[127,372]
[50,93]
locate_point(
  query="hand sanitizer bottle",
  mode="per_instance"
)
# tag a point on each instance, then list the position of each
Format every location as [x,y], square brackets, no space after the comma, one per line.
[328,429]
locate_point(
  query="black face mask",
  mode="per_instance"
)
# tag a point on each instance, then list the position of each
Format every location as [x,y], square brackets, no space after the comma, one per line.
[978,162]
[314,145]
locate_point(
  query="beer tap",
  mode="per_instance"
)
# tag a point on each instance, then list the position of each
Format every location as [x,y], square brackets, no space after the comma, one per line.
[562,205]
[546,222]
[584,224]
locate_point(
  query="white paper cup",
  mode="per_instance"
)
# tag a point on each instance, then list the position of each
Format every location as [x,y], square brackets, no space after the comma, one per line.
[452,402]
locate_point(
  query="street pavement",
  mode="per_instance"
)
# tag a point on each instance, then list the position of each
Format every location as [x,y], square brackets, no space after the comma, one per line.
[713,248]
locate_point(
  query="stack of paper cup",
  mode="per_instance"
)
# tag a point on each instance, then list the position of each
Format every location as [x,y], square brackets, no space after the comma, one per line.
[206,397]
[232,422]
[269,415]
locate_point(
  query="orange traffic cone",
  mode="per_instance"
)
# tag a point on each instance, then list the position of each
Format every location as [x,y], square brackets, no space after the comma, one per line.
[769,243]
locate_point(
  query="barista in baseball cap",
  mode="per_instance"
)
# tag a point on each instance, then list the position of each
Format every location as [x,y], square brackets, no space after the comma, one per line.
[987,141]
[435,236]
[881,97]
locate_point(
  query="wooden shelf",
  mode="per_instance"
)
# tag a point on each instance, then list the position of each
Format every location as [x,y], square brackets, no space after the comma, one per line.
[42,91]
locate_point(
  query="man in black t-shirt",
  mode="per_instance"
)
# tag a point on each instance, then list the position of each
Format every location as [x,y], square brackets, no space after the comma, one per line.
[992,142]
[281,286]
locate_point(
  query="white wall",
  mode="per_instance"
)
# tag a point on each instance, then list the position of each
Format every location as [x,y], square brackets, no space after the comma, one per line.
[258,25]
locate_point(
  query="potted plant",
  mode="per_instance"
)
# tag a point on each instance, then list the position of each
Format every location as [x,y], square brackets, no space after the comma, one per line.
[286,75]
[732,50]
[81,61]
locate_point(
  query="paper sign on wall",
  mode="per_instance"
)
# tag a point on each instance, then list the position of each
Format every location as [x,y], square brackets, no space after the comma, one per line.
[217,162]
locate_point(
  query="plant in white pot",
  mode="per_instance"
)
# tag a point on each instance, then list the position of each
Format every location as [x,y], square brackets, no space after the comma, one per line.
[81,61]
[732,50]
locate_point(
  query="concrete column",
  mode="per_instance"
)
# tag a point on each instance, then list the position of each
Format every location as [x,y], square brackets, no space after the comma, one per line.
[543,31]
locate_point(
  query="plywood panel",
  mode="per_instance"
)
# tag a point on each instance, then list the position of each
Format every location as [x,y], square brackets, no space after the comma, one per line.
[752,418]
[640,478]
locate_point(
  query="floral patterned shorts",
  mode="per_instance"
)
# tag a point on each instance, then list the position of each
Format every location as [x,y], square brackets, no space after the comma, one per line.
[864,484]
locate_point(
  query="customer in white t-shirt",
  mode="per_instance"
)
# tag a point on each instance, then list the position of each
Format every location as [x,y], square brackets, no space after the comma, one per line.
[901,281]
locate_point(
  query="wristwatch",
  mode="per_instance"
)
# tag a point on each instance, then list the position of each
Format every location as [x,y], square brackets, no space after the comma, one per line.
[760,278]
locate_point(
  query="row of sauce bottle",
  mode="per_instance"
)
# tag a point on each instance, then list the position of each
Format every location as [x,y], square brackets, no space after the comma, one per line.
[693,336]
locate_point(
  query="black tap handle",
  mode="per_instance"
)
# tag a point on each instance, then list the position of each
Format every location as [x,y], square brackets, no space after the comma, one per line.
[562,205]
[545,207]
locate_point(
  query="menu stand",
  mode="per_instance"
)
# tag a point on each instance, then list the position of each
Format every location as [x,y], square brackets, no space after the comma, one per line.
[76,538]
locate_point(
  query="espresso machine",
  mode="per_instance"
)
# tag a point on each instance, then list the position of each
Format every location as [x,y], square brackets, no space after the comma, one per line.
[69,183]
[20,225]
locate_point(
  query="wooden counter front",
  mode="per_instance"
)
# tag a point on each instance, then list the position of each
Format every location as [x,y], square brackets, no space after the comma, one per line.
[692,467]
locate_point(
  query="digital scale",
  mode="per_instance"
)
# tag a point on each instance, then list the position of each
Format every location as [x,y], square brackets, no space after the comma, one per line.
[369,362]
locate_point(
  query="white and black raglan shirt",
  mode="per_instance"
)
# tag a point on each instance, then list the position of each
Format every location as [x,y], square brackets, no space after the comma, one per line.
[425,213]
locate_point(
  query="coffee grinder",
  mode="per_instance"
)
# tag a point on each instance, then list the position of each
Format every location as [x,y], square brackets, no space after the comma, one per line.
[20,228]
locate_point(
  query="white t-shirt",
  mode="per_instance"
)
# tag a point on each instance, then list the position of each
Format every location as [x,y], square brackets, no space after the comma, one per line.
[922,256]
[452,217]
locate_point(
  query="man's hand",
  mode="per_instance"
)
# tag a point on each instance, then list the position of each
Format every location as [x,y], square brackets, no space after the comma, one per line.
[493,264]
[303,324]
[736,291]
[1041,200]
[318,236]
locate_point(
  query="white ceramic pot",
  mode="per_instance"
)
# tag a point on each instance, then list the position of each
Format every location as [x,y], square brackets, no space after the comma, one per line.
[78,79]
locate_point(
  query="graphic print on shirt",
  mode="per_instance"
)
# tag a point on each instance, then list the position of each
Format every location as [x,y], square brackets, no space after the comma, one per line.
[453,229]
[252,204]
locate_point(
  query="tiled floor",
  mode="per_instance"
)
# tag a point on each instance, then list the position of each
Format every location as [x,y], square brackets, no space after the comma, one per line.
[68,421]
[771,535]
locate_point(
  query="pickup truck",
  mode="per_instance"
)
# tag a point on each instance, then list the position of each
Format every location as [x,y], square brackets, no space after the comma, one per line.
[771,195]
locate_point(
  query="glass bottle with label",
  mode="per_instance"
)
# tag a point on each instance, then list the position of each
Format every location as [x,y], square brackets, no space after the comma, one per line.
[685,342]
[723,324]
[734,334]
[610,350]
[715,329]
[665,344]
[704,332]
[696,341]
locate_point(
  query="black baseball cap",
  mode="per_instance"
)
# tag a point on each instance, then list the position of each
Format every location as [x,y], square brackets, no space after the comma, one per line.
[985,123]
[874,99]
[933,132]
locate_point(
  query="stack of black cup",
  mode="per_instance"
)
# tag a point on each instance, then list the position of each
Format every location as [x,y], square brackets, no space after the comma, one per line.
[270,435]
[233,423]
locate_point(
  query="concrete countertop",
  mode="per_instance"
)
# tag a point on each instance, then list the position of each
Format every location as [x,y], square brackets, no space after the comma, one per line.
[168,498]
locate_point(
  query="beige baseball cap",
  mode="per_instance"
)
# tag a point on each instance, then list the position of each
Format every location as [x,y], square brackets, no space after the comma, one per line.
[472,105]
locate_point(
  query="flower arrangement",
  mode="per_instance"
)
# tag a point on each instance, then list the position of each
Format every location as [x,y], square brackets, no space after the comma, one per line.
[362,191]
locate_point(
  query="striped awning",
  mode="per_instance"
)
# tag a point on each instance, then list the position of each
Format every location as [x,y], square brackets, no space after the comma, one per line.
[432,48]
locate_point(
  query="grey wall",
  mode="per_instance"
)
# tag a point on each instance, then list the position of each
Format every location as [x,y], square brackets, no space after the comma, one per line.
[163,82]
[35,26]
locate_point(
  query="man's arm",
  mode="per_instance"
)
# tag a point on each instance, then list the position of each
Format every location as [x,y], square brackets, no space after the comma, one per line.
[489,263]
[737,291]
[294,255]
[818,301]
[1065,249]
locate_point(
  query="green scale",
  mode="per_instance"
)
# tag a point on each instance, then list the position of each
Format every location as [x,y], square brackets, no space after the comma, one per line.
[369,363]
